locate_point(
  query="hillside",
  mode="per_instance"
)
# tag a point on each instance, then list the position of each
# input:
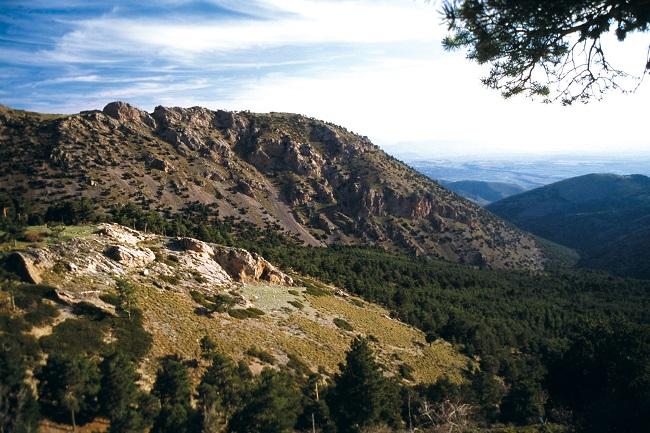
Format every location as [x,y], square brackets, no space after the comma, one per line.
[187,289]
[483,193]
[604,217]
[313,180]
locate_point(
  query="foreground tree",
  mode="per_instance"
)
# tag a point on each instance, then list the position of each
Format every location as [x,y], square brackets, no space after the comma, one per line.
[362,397]
[18,408]
[608,368]
[224,388]
[69,384]
[273,406]
[128,409]
[548,48]
[173,389]
[126,296]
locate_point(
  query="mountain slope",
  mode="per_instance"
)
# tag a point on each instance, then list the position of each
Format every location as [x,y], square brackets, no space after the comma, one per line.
[605,217]
[316,181]
[187,289]
[481,192]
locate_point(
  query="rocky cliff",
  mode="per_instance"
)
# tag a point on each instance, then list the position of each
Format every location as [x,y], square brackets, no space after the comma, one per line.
[318,182]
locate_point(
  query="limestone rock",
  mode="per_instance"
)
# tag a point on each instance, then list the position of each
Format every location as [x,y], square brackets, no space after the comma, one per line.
[244,266]
[156,163]
[126,113]
[190,244]
[23,266]
[130,257]
[120,234]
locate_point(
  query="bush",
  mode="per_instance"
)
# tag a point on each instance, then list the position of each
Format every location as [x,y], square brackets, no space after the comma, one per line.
[248,313]
[261,355]
[342,324]
[42,314]
[76,336]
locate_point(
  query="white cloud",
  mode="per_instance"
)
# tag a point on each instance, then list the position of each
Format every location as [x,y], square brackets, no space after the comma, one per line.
[442,102]
[298,22]
[387,77]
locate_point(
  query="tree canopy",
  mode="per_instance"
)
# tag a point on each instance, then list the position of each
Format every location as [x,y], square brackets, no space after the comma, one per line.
[547,48]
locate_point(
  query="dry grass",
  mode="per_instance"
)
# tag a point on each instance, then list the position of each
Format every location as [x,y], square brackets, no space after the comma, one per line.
[309,334]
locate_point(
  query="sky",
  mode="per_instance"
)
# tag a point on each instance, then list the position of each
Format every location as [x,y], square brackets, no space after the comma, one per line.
[374,66]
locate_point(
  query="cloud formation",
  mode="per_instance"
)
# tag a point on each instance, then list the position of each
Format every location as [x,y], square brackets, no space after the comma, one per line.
[373,65]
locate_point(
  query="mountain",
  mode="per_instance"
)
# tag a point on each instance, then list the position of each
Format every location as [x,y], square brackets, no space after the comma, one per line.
[481,192]
[312,180]
[604,217]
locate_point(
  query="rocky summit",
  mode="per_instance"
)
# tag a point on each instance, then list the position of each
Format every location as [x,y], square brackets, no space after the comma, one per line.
[316,182]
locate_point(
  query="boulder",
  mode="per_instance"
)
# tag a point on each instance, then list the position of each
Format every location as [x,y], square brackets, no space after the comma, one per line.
[244,266]
[130,257]
[190,244]
[156,163]
[23,266]
[120,234]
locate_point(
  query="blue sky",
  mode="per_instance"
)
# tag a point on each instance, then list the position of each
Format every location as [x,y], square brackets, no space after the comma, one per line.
[375,66]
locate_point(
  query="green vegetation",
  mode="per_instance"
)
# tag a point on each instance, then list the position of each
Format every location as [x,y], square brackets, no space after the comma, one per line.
[245,313]
[343,324]
[361,396]
[262,355]
[569,347]
[562,38]
[602,216]
[69,384]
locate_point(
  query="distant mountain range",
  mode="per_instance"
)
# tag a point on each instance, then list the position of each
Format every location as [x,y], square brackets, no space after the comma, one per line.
[529,172]
[483,193]
[604,217]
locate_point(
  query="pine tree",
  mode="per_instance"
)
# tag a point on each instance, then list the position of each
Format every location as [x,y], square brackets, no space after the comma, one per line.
[18,407]
[126,296]
[121,398]
[316,413]
[208,347]
[173,389]
[223,389]
[69,384]
[273,406]
[362,396]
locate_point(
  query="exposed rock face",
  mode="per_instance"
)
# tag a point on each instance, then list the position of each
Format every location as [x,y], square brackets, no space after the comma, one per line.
[130,257]
[156,163]
[113,251]
[125,113]
[245,266]
[22,264]
[309,178]
[191,244]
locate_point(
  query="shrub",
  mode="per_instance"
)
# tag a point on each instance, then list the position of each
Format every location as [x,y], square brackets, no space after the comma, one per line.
[261,355]
[248,313]
[343,324]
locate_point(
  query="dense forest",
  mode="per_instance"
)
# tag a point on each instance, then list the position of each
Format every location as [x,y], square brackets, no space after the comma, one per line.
[556,350]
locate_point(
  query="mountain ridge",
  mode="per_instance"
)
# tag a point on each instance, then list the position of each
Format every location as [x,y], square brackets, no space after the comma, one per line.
[604,217]
[313,180]
[483,192]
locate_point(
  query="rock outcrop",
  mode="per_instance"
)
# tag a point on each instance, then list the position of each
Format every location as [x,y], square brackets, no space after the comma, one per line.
[22,264]
[125,113]
[130,257]
[244,266]
[311,180]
